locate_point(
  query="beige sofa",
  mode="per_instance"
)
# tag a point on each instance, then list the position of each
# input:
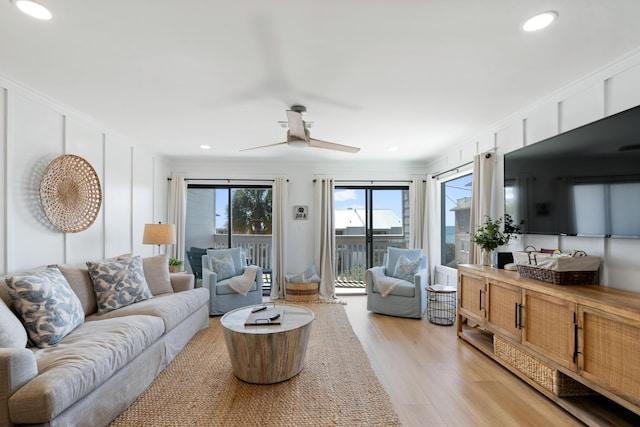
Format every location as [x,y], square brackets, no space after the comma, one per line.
[96,371]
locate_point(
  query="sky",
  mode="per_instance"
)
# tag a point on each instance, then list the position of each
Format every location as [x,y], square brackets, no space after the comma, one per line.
[355,199]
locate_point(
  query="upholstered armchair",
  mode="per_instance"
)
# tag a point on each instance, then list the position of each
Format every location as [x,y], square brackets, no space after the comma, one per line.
[232,284]
[398,287]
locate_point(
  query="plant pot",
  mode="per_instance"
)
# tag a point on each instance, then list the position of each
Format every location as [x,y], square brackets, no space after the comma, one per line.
[489,257]
[175,268]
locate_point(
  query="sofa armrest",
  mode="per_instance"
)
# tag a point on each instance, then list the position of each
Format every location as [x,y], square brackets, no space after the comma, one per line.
[182,281]
[17,367]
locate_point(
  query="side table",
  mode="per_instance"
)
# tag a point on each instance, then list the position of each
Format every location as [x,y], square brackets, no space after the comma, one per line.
[441,304]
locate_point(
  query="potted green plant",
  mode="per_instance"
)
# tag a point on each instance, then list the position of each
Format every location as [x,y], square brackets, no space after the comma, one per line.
[491,234]
[175,265]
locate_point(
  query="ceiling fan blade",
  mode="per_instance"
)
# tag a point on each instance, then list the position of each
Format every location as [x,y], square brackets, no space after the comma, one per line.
[296,125]
[316,143]
[263,146]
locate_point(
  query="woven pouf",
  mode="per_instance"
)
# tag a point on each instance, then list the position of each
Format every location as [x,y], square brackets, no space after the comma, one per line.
[301,292]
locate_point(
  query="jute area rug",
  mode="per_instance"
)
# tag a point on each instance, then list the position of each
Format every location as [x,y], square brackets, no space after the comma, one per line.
[337,386]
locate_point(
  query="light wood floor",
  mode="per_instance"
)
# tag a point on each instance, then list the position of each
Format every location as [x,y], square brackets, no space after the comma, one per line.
[435,379]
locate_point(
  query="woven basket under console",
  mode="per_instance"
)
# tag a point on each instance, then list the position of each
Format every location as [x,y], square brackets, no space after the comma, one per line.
[549,378]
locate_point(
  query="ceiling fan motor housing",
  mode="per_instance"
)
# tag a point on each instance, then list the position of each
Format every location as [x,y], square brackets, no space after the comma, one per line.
[299,108]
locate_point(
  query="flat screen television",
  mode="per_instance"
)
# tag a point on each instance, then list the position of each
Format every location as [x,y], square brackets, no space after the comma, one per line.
[584,182]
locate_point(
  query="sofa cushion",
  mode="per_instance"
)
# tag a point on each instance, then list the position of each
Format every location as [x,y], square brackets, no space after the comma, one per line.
[118,283]
[171,308]
[406,269]
[47,306]
[402,289]
[12,333]
[81,362]
[80,281]
[156,273]
[224,267]
[78,277]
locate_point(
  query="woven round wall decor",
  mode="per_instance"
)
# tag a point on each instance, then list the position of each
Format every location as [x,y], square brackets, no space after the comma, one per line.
[70,193]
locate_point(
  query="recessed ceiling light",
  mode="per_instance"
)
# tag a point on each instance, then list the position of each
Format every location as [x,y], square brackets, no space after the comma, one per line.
[392,149]
[33,9]
[205,147]
[540,21]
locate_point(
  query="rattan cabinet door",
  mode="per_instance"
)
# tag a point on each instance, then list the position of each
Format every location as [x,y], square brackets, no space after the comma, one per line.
[504,314]
[550,327]
[610,352]
[472,297]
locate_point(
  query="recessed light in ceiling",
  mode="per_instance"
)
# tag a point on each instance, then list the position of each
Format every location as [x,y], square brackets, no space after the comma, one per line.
[540,21]
[33,9]
[392,149]
[205,147]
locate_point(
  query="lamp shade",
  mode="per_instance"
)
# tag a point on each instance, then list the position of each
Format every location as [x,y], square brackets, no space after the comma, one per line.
[159,234]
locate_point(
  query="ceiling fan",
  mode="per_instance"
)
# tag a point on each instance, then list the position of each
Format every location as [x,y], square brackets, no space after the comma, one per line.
[298,134]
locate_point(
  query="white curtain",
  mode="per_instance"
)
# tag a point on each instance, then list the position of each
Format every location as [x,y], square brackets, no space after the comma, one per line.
[279,237]
[325,237]
[178,214]
[417,219]
[481,195]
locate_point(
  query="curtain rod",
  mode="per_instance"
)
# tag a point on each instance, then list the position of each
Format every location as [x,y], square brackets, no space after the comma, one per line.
[456,169]
[371,181]
[227,179]
[487,155]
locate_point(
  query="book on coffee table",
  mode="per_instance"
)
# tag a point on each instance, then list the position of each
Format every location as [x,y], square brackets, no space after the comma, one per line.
[271,315]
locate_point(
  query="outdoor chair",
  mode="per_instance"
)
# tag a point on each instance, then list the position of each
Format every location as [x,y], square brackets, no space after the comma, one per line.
[219,268]
[398,287]
[194,256]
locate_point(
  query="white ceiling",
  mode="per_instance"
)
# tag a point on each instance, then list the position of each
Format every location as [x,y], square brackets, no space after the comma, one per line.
[417,75]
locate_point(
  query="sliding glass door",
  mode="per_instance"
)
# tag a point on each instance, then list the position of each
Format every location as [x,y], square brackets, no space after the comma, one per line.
[368,219]
[231,216]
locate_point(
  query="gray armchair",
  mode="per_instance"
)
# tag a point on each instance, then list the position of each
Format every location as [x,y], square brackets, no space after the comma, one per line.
[223,297]
[404,298]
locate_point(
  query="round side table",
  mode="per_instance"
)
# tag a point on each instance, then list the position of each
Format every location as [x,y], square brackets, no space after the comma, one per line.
[441,304]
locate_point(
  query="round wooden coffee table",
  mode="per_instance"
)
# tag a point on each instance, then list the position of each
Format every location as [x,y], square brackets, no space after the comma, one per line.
[267,354]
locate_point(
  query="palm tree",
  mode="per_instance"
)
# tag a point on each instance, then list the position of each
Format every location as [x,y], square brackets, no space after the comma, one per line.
[251,211]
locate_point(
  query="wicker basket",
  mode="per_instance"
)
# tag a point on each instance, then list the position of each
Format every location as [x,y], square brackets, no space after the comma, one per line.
[558,277]
[70,193]
[301,292]
[576,270]
[549,378]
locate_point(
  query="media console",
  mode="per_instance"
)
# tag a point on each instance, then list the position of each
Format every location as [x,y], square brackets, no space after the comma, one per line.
[577,345]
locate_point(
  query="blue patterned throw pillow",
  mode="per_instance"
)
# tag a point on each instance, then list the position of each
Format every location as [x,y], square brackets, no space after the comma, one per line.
[47,306]
[307,276]
[118,283]
[224,268]
[406,269]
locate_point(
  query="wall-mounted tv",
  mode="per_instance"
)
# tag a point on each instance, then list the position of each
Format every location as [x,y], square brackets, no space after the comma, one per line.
[584,182]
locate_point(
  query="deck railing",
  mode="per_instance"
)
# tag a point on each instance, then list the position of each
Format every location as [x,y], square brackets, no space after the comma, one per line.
[350,253]
[351,256]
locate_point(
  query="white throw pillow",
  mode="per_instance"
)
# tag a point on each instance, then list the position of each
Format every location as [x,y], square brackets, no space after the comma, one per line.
[406,269]
[12,333]
[224,268]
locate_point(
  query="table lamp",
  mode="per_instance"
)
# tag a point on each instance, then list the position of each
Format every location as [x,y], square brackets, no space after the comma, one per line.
[159,234]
